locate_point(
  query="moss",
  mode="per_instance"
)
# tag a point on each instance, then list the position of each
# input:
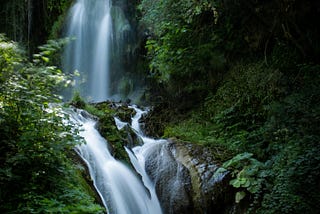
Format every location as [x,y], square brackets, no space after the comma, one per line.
[108,129]
[105,112]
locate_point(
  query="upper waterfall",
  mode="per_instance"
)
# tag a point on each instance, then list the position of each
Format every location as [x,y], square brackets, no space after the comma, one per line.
[90,24]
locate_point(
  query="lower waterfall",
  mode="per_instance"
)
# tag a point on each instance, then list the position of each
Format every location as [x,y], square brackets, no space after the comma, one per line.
[119,188]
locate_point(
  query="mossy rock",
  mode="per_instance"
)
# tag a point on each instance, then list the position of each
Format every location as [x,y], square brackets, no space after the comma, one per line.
[117,139]
[120,110]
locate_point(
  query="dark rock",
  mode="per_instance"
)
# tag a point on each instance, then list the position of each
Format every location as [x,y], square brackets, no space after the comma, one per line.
[186,182]
[171,178]
[211,192]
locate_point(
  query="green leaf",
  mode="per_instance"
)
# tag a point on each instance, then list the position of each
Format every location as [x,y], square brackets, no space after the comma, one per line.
[235,183]
[247,183]
[240,196]
[235,160]
[46,59]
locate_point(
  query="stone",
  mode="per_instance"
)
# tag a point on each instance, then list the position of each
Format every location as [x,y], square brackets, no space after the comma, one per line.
[185,180]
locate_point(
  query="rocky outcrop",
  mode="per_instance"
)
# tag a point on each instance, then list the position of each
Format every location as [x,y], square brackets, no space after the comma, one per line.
[211,191]
[186,182]
[185,174]
[171,178]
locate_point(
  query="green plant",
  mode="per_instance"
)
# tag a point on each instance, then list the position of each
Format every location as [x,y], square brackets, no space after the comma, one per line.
[77,101]
[37,174]
[248,174]
[184,50]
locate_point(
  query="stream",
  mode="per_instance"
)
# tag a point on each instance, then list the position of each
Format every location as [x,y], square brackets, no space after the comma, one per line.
[120,189]
[166,176]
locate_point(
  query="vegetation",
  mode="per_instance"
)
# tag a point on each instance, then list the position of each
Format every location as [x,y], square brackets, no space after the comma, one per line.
[243,76]
[36,145]
[198,40]
[31,22]
[105,113]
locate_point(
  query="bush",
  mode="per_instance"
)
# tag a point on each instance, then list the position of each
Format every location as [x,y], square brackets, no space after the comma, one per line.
[257,112]
[37,175]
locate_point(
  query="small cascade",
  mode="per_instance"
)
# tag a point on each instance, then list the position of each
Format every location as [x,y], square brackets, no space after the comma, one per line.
[121,191]
[179,176]
[138,153]
[158,167]
[181,182]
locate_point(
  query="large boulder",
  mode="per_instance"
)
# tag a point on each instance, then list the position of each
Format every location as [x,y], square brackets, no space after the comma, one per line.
[186,182]
[171,178]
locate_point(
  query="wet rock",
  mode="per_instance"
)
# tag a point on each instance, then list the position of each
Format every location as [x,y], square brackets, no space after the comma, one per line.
[186,182]
[171,178]
[211,192]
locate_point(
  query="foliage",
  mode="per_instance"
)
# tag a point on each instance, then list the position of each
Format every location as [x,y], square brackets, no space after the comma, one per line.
[247,75]
[31,22]
[78,102]
[247,173]
[60,5]
[50,52]
[259,111]
[191,43]
[180,49]
[36,175]
[60,10]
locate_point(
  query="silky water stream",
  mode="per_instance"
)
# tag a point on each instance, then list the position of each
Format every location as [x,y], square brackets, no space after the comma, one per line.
[118,186]
[89,23]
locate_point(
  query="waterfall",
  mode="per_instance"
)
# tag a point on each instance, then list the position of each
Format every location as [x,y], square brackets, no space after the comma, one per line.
[90,26]
[121,191]
[138,154]
[89,23]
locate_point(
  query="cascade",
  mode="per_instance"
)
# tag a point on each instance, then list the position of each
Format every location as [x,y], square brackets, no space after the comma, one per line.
[139,153]
[99,45]
[90,26]
[89,23]
[167,172]
[156,164]
[120,190]
[102,51]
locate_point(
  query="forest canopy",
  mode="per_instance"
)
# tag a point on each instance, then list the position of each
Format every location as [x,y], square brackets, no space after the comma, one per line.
[244,76]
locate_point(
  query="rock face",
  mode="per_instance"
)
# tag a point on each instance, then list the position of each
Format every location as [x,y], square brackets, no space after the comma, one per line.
[211,191]
[184,174]
[172,180]
[185,179]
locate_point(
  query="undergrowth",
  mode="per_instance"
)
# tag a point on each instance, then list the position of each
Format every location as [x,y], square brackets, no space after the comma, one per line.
[272,113]
[37,173]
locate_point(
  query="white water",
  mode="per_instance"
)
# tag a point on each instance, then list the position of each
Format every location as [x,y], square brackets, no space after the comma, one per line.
[90,24]
[121,191]
[138,153]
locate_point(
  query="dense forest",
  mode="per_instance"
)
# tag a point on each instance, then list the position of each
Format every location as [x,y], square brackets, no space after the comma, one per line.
[244,75]
[238,77]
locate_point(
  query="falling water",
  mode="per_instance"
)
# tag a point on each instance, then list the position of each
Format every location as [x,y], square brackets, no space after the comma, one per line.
[89,23]
[138,153]
[121,191]
[156,162]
